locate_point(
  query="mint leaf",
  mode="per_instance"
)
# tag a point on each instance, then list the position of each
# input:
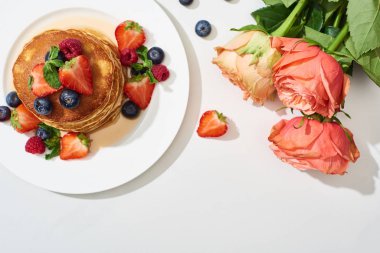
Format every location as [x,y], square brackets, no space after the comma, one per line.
[54,142]
[56,63]
[364,19]
[30,82]
[55,152]
[151,77]
[271,17]
[53,54]
[51,75]
[137,66]
[142,52]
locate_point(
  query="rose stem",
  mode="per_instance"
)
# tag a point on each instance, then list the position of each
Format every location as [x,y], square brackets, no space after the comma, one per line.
[289,21]
[339,16]
[339,39]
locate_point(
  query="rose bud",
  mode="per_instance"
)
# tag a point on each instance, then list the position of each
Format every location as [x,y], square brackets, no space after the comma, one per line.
[247,61]
[308,79]
[309,144]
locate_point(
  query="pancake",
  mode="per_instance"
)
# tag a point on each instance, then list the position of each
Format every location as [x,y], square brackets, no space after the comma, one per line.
[108,79]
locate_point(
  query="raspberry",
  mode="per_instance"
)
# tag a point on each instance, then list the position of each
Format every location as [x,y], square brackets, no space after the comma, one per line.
[128,56]
[35,145]
[71,48]
[160,72]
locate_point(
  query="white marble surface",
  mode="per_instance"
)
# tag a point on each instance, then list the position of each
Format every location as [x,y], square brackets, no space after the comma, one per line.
[225,195]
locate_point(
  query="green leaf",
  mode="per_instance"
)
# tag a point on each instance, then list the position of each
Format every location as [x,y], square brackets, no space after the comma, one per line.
[249,28]
[54,142]
[330,7]
[363,17]
[52,130]
[322,39]
[53,54]
[54,152]
[142,53]
[51,75]
[151,77]
[56,63]
[30,82]
[287,3]
[271,17]
[370,62]
[272,2]
[137,66]
[316,19]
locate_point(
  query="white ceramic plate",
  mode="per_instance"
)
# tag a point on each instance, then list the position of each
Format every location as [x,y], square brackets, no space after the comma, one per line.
[124,150]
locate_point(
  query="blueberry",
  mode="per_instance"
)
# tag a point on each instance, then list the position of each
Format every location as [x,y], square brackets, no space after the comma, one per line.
[130,110]
[69,99]
[43,133]
[156,55]
[203,28]
[135,72]
[12,99]
[186,2]
[61,56]
[5,113]
[43,106]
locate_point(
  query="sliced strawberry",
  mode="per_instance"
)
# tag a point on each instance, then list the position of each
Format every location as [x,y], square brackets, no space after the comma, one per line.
[139,90]
[40,87]
[212,124]
[76,75]
[23,120]
[129,34]
[74,146]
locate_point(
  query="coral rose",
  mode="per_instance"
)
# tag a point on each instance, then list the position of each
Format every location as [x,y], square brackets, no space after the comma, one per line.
[247,61]
[327,146]
[308,79]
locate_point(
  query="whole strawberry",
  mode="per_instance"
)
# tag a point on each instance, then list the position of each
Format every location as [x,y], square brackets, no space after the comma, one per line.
[129,34]
[35,145]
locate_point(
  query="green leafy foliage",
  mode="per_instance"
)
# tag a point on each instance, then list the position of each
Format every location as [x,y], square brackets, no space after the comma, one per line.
[363,17]
[54,142]
[271,17]
[51,66]
[146,63]
[369,61]
[316,19]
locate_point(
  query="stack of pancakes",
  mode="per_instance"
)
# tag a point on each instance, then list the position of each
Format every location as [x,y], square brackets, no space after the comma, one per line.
[94,110]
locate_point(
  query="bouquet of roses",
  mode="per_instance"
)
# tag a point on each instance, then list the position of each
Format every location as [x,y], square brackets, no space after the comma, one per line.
[303,51]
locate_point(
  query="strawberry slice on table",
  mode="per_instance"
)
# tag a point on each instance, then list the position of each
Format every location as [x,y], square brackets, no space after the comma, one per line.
[23,120]
[129,34]
[139,89]
[212,124]
[39,86]
[74,146]
[76,75]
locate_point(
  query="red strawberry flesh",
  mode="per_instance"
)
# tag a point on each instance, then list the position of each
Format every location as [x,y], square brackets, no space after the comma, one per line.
[76,75]
[212,124]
